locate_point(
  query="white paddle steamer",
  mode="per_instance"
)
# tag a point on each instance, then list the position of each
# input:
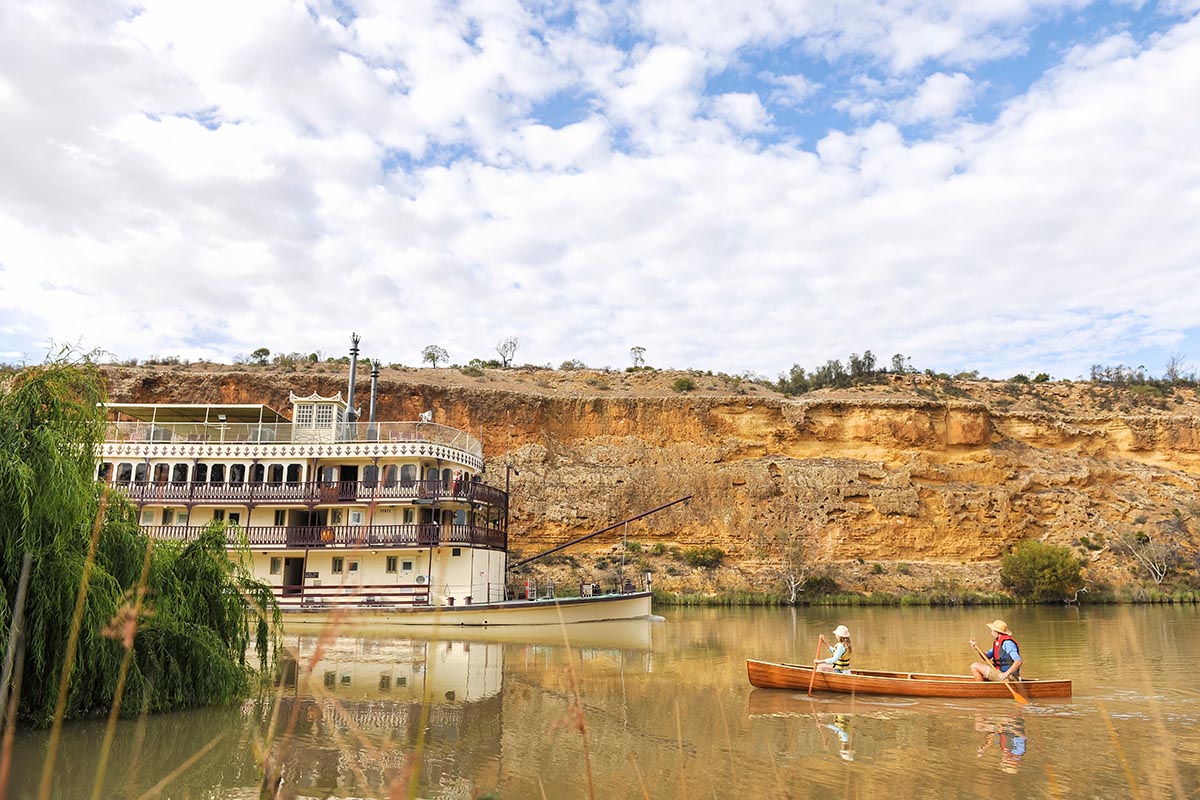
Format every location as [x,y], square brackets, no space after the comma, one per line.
[392,520]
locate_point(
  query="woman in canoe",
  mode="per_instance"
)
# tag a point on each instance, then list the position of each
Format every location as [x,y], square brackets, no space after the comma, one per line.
[839,654]
[1004,659]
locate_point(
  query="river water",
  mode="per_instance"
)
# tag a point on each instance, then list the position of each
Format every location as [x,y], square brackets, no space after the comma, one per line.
[662,709]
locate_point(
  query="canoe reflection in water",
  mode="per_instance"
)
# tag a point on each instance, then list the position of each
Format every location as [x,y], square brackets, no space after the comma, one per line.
[1008,732]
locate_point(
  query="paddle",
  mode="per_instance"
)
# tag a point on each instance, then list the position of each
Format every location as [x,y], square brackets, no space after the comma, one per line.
[813,677]
[988,661]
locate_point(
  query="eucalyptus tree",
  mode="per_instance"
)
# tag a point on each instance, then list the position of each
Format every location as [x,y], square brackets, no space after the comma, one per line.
[433,354]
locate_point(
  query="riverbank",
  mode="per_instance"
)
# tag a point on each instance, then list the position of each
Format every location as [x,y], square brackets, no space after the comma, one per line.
[855,582]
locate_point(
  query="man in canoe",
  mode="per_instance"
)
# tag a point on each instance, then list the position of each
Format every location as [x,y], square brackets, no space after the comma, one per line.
[1004,659]
[839,654]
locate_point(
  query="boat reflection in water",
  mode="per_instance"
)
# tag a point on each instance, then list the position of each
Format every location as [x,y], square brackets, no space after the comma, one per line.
[373,713]
[882,729]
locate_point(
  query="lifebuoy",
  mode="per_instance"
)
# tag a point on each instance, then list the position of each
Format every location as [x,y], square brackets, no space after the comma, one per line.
[327,535]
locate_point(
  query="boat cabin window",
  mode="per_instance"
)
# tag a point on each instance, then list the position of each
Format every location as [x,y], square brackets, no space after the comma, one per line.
[140,472]
[200,473]
[280,517]
[218,514]
[168,516]
[370,476]
[329,475]
[276,565]
[353,565]
[324,416]
[293,474]
[304,416]
[104,472]
[179,473]
[161,473]
[409,516]
[147,516]
[217,475]
[391,564]
[338,565]
[389,476]
[447,475]
[237,474]
[275,474]
[407,566]
[460,517]
[257,471]
[431,474]
[408,474]
[124,473]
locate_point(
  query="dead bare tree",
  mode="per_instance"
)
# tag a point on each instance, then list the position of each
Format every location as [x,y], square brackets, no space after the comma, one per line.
[507,348]
[795,556]
[1156,552]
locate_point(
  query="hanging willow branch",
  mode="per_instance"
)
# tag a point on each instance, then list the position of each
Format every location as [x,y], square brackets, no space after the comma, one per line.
[191,628]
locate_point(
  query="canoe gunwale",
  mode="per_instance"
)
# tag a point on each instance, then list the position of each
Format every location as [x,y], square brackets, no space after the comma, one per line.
[769,675]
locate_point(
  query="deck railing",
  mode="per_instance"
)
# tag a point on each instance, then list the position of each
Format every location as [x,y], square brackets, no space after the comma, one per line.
[317,597]
[312,493]
[342,536]
[289,433]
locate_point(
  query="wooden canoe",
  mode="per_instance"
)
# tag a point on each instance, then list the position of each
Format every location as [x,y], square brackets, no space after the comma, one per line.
[767,675]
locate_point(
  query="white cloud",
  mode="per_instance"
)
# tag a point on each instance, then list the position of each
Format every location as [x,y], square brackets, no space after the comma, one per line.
[397,172]
[938,98]
[741,110]
[793,89]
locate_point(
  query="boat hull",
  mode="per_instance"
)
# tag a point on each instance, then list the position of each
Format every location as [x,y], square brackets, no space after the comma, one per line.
[510,612]
[767,675]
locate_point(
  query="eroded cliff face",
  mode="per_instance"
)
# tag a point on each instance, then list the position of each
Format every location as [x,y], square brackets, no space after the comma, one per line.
[877,477]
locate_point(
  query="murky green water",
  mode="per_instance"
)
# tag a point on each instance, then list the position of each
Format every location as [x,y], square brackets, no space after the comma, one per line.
[664,710]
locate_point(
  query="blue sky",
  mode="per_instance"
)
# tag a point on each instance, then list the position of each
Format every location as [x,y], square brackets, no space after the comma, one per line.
[1004,187]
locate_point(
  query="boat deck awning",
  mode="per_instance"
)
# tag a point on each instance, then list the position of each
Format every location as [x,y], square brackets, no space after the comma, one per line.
[193,412]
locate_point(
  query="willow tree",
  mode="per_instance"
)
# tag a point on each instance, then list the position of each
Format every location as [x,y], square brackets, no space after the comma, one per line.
[109,612]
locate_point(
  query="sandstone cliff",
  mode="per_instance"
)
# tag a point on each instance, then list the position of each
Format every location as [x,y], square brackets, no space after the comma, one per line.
[920,471]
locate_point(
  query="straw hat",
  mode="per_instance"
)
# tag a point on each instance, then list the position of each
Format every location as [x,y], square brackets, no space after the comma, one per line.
[1000,626]
[841,631]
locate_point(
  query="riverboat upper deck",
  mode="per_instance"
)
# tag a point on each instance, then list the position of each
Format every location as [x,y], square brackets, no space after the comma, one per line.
[387,509]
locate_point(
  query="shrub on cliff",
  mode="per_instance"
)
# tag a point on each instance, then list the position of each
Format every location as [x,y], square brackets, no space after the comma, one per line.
[1040,572]
[704,557]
